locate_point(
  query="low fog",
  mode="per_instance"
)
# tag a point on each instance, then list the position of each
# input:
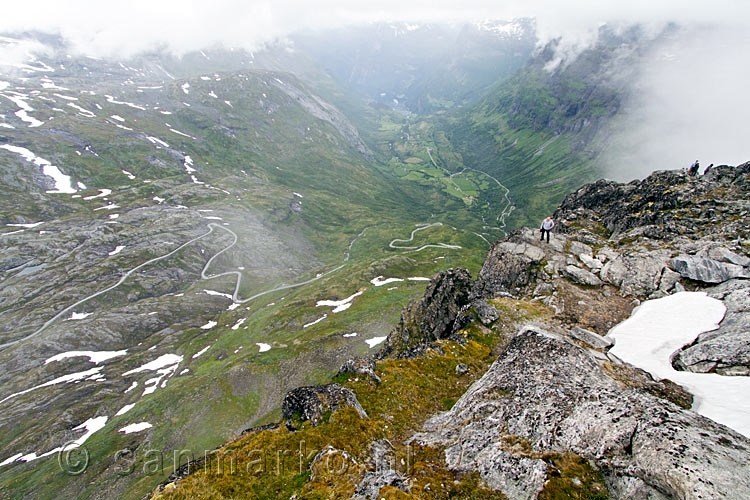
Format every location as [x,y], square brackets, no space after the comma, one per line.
[689,102]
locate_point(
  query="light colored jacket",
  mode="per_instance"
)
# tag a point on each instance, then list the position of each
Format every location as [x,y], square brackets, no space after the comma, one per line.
[548,224]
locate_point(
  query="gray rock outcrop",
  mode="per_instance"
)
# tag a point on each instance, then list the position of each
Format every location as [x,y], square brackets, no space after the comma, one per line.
[313,402]
[706,270]
[432,317]
[553,395]
[580,276]
[509,267]
[726,350]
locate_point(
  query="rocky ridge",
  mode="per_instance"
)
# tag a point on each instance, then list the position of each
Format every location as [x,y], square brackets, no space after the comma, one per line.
[552,394]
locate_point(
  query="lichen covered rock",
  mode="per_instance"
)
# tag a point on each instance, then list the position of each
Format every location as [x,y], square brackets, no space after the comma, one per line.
[313,403]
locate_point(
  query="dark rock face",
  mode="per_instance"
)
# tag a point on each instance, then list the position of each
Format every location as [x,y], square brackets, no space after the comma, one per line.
[666,202]
[312,403]
[509,267]
[433,317]
[553,395]
[726,350]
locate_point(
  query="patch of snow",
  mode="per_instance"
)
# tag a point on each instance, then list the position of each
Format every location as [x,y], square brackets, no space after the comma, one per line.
[297,194]
[158,200]
[132,386]
[181,133]
[348,335]
[111,206]
[339,305]
[15,457]
[65,379]
[185,87]
[238,323]
[80,185]
[162,361]
[660,327]
[117,249]
[375,341]
[379,281]
[114,216]
[66,97]
[212,94]
[62,181]
[199,353]
[315,322]
[49,84]
[83,111]
[24,116]
[76,315]
[102,194]
[157,141]
[114,101]
[137,427]
[128,174]
[263,347]
[28,226]
[124,409]
[418,278]
[233,306]
[186,370]
[165,366]
[118,118]
[209,325]
[220,294]
[188,163]
[95,357]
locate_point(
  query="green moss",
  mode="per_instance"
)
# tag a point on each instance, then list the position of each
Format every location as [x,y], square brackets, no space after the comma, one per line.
[572,477]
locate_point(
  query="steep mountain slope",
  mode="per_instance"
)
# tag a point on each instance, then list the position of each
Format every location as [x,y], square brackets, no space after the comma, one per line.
[542,129]
[508,387]
[185,240]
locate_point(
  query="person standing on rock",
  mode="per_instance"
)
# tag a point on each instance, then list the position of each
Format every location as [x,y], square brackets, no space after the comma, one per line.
[693,170]
[547,225]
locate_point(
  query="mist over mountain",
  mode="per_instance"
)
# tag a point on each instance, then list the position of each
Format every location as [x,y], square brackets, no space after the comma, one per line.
[209,210]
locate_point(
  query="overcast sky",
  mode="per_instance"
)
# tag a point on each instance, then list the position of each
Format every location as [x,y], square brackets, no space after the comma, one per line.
[693,104]
[103,27]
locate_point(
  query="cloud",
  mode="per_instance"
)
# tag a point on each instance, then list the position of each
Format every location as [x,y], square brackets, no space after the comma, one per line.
[105,28]
[685,105]
[689,101]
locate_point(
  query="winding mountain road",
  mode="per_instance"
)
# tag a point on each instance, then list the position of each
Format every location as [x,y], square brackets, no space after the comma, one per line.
[417,249]
[204,275]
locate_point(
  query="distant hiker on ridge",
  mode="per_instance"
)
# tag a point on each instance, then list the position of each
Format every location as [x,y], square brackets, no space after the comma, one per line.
[693,169]
[547,225]
[708,169]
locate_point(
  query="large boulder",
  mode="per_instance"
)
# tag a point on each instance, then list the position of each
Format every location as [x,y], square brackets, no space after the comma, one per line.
[725,350]
[706,270]
[314,402]
[636,274]
[509,267]
[580,276]
[551,395]
[434,316]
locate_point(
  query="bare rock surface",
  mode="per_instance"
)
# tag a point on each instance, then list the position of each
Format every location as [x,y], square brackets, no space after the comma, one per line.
[726,350]
[553,395]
